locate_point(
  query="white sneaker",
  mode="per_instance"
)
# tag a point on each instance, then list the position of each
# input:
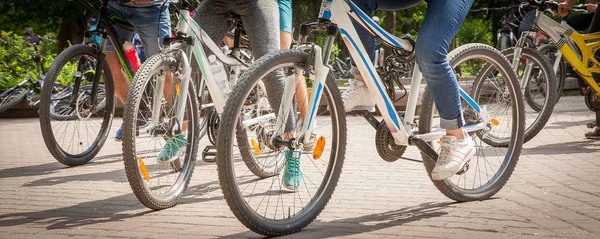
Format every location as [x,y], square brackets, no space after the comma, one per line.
[453,157]
[357,97]
[310,146]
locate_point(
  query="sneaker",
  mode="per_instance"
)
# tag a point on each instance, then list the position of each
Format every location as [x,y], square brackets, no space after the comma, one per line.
[171,150]
[357,97]
[593,135]
[119,135]
[292,175]
[454,154]
[591,125]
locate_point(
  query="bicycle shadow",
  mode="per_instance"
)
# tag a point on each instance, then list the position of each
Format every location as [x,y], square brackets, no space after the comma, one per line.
[100,211]
[50,168]
[366,223]
[579,147]
[565,124]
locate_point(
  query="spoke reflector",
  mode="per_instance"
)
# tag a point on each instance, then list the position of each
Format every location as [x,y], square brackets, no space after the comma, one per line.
[255,146]
[144,169]
[319,148]
[495,122]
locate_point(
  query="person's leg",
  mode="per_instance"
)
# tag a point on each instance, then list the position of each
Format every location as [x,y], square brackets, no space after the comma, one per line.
[442,20]
[595,134]
[121,82]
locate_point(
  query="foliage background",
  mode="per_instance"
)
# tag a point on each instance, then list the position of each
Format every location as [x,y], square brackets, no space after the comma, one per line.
[62,22]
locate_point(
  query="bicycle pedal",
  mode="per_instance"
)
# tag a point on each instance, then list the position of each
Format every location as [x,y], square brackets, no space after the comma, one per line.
[464,169]
[209,154]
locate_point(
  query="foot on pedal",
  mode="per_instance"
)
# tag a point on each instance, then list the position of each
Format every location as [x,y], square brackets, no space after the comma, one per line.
[209,154]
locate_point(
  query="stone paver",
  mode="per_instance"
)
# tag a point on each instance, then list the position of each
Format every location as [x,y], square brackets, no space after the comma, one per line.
[554,193]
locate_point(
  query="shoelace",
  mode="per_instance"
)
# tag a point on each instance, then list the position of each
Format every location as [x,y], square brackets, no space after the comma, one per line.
[445,152]
[353,87]
[176,142]
[293,165]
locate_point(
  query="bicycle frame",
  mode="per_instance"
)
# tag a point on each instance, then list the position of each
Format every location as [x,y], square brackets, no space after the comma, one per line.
[576,48]
[189,27]
[339,13]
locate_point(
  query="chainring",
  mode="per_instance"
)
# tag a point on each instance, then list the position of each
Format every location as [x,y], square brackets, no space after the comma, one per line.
[386,147]
[592,101]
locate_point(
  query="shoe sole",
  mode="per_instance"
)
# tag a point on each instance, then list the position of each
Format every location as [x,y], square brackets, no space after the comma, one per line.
[462,165]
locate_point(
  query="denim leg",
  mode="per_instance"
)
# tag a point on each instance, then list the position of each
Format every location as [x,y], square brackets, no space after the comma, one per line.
[368,7]
[442,20]
[152,24]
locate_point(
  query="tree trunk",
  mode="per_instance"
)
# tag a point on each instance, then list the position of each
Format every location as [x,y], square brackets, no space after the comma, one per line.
[69,34]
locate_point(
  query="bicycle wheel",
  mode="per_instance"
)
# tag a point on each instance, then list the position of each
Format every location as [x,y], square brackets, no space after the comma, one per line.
[538,92]
[61,105]
[263,204]
[158,184]
[549,51]
[76,138]
[10,99]
[500,96]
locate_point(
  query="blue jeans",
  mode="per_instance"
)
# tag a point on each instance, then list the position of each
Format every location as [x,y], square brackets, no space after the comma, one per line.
[152,23]
[442,20]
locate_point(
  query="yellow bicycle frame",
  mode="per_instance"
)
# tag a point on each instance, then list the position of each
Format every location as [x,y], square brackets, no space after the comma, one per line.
[577,49]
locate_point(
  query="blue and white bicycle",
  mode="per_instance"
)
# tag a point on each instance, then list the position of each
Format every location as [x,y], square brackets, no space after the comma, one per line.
[313,127]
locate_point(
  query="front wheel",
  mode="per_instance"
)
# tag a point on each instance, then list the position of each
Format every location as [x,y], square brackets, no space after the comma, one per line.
[159,161]
[283,201]
[498,145]
[76,133]
[9,99]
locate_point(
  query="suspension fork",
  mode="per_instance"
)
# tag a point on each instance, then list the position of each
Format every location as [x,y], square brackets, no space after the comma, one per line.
[517,58]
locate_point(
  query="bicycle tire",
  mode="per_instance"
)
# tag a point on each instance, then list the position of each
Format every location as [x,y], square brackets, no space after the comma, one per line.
[46,103]
[130,120]
[225,164]
[515,145]
[548,50]
[16,96]
[546,109]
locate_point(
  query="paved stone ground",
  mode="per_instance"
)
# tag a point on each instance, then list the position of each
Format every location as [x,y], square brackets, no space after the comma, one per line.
[554,192]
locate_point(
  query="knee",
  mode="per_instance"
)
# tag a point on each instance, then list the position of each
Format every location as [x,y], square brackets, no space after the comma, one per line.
[430,58]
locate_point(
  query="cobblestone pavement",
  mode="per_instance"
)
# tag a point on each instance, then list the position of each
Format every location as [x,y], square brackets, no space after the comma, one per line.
[554,192]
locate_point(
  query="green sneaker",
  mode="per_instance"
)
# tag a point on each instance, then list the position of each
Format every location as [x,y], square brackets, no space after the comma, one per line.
[292,176]
[171,150]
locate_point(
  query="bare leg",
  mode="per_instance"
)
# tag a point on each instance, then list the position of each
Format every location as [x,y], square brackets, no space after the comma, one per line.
[119,78]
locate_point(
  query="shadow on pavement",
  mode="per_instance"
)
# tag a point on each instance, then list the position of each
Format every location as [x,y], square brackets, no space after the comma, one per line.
[564,124]
[100,211]
[583,146]
[49,168]
[367,223]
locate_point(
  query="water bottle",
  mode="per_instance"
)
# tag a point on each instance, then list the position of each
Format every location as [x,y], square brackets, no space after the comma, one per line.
[216,67]
[131,54]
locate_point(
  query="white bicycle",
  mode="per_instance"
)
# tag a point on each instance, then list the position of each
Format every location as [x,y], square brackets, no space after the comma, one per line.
[312,145]
[167,102]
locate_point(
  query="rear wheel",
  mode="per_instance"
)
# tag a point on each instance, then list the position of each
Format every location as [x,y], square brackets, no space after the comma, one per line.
[550,51]
[499,144]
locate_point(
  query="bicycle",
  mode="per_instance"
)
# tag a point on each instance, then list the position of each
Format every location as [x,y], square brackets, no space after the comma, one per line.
[576,48]
[558,64]
[28,87]
[77,139]
[168,94]
[505,36]
[266,207]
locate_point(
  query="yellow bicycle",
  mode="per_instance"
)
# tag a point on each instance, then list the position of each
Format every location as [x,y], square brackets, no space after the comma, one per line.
[576,48]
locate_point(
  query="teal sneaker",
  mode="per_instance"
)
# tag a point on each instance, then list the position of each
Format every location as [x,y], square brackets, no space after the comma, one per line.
[171,150]
[292,176]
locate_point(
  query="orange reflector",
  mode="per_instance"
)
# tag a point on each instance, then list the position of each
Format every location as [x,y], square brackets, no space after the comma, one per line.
[177,89]
[441,140]
[308,92]
[495,122]
[255,146]
[144,169]
[319,148]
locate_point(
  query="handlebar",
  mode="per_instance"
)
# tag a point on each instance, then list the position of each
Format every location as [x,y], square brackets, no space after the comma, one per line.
[491,9]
